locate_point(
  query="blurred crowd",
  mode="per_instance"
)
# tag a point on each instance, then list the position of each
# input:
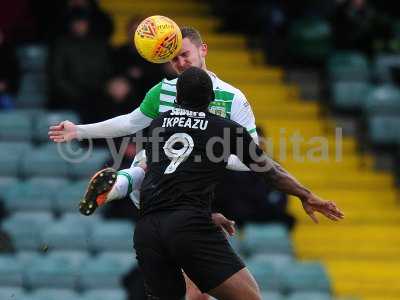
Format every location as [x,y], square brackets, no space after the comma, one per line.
[81,58]
[367,25]
[77,33]
[86,73]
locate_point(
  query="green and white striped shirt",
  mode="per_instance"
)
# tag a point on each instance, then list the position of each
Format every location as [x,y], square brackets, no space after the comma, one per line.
[229,102]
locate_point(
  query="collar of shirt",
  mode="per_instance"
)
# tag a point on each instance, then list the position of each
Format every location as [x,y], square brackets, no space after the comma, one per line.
[214,80]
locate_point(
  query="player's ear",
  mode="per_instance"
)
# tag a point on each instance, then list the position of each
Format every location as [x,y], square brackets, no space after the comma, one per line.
[203,50]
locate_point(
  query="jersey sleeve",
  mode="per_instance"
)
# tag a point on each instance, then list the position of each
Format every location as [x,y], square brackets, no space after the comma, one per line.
[245,148]
[242,113]
[115,127]
[151,102]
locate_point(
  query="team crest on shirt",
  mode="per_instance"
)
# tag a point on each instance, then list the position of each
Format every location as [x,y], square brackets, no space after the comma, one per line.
[218,108]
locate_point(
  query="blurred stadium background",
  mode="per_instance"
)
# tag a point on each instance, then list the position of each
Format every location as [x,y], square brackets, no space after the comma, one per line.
[307,68]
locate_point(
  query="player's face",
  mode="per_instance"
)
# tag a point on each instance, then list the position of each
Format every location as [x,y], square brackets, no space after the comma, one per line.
[190,55]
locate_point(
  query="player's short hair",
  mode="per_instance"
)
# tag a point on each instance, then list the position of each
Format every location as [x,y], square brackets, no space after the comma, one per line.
[192,34]
[194,89]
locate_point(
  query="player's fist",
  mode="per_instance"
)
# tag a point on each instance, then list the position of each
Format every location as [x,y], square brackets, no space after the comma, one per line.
[63,132]
[224,223]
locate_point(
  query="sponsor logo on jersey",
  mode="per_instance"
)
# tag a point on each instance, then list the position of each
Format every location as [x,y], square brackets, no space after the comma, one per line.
[185,112]
[218,108]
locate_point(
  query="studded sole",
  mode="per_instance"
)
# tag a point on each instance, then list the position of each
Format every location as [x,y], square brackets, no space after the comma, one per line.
[100,183]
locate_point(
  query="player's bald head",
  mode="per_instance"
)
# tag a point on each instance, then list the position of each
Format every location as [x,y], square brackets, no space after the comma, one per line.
[194,89]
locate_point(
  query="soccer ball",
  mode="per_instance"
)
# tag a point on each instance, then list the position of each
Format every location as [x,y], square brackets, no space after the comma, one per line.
[158,39]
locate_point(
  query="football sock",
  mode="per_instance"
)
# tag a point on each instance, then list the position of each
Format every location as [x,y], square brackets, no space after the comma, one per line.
[127,180]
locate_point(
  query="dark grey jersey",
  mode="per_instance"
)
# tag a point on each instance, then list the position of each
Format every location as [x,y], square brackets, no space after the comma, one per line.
[187,154]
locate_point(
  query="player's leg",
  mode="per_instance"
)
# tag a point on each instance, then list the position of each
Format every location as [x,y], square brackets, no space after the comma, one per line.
[163,277]
[129,180]
[240,286]
[203,252]
[108,185]
[193,292]
[99,186]
[242,283]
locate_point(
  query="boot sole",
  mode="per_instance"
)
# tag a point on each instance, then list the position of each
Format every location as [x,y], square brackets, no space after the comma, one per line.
[100,183]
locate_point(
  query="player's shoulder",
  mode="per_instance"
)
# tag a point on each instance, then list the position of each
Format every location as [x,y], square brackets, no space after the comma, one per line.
[162,115]
[221,121]
[165,114]
[165,84]
[170,81]
[228,88]
[168,84]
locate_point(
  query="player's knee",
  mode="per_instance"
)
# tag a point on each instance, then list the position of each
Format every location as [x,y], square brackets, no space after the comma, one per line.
[193,292]
[257,295]
[196,295]
[239,286]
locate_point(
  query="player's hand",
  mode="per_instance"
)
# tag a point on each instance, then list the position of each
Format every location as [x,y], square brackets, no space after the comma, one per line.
[225,224]
[63,132]
[329,209]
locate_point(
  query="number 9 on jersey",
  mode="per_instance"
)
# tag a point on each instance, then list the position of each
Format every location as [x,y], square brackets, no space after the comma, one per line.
[177,156]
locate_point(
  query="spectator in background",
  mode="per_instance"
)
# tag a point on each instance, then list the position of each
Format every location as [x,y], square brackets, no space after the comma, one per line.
[49,16]
[80,67]
[53,17]
[263,203]
[119,99]
[142,74]
[102,24]
[274,207]
[8,74]
[353,24]
[273,22]
[16,22]
[6,244]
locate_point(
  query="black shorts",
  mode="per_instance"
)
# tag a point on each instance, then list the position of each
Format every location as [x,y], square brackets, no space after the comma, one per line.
[168,242]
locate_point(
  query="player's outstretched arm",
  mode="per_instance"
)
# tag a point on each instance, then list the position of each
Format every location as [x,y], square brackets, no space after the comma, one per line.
[115,127]
[285,182]
[254,158]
